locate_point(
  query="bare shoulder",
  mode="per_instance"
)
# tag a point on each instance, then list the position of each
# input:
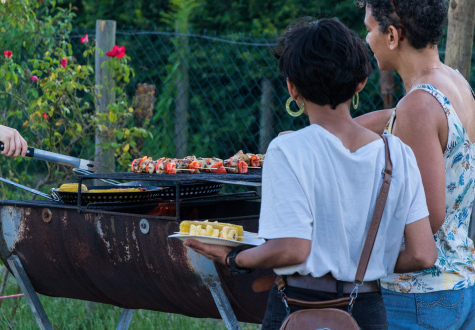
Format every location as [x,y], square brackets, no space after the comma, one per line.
[420,108]
[375,121]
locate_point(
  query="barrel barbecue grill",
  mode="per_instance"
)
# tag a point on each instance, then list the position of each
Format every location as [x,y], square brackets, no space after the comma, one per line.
[120,253]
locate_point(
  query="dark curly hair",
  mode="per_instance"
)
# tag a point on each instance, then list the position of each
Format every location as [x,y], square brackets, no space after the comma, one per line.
[324,59]
[423,21]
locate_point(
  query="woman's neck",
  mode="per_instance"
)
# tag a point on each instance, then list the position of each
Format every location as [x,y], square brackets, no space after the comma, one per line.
[339,123]
[326,116]
[414,63]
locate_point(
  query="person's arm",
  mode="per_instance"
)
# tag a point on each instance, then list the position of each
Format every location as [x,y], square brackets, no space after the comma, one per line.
[15,144]
[275,253]
[375,121]
[419,124]
[420,251]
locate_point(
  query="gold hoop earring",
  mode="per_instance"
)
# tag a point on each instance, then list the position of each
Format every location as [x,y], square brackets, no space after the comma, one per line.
[292,113]
[357,102]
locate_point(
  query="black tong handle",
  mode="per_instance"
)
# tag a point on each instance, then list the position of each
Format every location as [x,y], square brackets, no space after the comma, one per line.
[29,153]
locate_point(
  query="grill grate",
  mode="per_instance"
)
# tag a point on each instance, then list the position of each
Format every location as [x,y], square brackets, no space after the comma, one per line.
[253,175]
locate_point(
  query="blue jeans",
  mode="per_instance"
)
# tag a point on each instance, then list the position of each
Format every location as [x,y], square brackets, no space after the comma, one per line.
[441,310]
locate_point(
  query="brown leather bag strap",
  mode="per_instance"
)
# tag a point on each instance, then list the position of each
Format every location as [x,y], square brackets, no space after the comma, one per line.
[377,215]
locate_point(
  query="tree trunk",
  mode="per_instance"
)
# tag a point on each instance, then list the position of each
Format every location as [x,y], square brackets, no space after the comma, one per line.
[386,80]
[267,119]
[105,38]
[458,53]
[182,99]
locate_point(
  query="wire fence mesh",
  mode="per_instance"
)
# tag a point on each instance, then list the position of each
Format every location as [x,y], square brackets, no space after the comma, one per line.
[210,95]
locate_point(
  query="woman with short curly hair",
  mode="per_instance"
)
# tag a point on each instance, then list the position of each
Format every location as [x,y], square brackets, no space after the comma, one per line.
[436,119]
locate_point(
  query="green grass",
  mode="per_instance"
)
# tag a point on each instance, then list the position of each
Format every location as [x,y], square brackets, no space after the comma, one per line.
[70,314]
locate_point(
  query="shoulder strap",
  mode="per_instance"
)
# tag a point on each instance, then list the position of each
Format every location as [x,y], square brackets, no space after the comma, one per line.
[377,215]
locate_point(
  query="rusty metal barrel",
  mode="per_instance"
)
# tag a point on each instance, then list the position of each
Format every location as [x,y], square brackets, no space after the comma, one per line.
[104,257]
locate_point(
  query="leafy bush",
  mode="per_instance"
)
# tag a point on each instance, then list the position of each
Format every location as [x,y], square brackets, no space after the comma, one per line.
[52,96]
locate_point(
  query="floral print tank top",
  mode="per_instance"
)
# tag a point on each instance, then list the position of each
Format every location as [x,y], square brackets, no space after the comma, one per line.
[455,266]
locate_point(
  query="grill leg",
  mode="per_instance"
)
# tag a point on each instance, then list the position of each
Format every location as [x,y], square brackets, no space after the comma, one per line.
[125,319]
[29,292]
[208,273]
[224,307]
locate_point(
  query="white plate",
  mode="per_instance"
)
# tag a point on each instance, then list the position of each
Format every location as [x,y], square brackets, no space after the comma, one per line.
[222,241]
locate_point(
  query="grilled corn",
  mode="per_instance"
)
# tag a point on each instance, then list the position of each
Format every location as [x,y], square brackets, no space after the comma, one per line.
[213,229]
[126,190]
[72,187]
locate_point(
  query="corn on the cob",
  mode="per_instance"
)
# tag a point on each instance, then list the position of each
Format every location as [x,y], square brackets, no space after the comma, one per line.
[115,190]
[72,187]
[218,229]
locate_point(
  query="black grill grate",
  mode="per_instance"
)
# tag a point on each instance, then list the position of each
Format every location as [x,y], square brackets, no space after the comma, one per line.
[253,175]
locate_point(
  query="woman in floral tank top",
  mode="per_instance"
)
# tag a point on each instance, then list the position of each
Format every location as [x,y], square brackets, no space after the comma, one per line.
[437,120]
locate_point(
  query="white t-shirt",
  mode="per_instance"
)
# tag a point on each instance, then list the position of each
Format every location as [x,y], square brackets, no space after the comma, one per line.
[315,189]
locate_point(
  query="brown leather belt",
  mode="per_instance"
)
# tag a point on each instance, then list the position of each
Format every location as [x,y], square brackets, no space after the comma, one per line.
[328,283]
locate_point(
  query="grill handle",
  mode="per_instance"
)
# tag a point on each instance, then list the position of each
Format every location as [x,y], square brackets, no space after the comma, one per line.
[34,191]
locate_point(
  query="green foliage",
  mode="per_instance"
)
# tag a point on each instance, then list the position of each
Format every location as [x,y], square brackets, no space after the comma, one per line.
[51,98]
[256,17]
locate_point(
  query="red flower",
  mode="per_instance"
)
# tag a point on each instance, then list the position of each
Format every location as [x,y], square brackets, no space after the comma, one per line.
[46,116]
[34,78]
[85,39]
[8,53]
[64,62]
[117,51]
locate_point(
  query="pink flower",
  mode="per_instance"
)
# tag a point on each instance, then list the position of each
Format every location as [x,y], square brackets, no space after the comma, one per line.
[64,62]
[85,39]
[46,116]
[8,53]
[34,78]
[117,51]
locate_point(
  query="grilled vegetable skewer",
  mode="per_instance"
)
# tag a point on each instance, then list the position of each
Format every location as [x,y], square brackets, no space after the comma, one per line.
[238,164]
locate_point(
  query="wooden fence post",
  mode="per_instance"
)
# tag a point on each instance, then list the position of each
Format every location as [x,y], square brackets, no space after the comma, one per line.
[105,39]
[182,82]
[386,81]
[458,52]
[266,124]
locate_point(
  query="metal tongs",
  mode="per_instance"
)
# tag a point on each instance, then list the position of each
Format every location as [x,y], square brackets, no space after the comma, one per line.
[52,157]
[84,172]
[54,196]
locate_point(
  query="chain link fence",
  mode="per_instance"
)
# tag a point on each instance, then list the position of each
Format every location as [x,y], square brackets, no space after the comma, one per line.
[216,95]
[213,96]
